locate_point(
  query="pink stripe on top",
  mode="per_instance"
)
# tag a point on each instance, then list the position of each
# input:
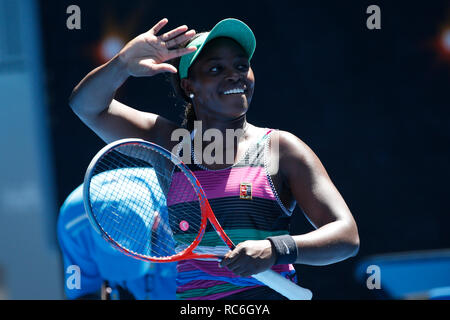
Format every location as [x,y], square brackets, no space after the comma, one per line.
[219,184]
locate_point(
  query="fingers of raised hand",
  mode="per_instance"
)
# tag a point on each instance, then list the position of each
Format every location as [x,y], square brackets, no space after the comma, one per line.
[173,37]
[173,33]
[180,52]
[157,28]
[169,40]
[176,38]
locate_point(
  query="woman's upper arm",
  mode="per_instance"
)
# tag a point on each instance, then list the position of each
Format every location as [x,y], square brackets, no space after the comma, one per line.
[119,121]
[310,184]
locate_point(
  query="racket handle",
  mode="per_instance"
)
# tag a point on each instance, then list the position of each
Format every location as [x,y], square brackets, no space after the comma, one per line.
[283,286]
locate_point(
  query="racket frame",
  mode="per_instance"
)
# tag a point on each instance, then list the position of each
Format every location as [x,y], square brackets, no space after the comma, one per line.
[206,211]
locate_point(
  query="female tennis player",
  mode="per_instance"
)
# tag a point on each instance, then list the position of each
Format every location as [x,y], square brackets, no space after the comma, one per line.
[254,193]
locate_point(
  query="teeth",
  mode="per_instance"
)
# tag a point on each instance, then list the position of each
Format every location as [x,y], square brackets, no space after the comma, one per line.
[234,91]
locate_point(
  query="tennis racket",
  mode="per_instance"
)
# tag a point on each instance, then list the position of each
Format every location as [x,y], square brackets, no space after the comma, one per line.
[152,207]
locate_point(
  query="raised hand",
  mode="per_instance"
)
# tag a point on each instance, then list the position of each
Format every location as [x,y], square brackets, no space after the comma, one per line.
[145,55]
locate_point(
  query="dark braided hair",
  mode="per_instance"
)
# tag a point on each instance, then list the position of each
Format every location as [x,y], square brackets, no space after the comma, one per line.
[189,111]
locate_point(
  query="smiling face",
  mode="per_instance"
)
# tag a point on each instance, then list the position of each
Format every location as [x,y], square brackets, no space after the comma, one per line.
[221,80]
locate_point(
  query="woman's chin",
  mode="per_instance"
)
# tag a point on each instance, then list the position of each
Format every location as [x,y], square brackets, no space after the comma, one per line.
[231,110]
[238,106]
[238,111]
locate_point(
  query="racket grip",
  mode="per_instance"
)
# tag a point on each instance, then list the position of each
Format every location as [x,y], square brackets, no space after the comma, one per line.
[283,286]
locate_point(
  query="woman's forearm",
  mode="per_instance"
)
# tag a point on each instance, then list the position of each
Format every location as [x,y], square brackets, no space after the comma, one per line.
[96,91]
[330,244]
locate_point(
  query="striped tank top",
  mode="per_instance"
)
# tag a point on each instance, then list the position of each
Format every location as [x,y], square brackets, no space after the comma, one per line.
[247,206]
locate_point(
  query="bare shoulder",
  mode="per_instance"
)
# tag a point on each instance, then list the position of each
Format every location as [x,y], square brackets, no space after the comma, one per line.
[291,146]
[297,159]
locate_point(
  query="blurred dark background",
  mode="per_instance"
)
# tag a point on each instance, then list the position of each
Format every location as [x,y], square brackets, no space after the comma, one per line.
[372,104]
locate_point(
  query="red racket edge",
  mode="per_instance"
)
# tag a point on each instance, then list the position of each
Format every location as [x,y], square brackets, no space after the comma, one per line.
[207,213]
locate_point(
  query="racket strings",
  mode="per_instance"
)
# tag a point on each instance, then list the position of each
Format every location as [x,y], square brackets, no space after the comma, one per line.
[127,228]
[143,204]
[116,216]
[120,192]
[122,230]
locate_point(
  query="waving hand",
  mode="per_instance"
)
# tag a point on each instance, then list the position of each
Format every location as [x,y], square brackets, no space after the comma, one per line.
[145,55]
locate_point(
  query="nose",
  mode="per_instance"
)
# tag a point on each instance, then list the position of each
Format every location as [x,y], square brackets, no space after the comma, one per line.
[233,75]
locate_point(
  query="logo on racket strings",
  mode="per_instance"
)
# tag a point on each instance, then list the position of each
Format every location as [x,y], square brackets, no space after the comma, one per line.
[184,226]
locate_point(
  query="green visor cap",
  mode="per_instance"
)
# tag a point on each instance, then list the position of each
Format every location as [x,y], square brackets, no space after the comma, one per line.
[230,28]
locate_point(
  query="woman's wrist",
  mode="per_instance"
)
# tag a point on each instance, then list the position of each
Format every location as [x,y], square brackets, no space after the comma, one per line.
[120,70]
[285,249]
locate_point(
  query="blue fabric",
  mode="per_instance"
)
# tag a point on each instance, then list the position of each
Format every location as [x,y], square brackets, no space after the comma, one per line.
[82,246]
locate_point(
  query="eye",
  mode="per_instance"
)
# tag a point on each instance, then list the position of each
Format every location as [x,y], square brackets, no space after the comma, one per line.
[215,69]
[243,66]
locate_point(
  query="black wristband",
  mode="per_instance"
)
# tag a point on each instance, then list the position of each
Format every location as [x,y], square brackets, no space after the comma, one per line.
[285,249]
